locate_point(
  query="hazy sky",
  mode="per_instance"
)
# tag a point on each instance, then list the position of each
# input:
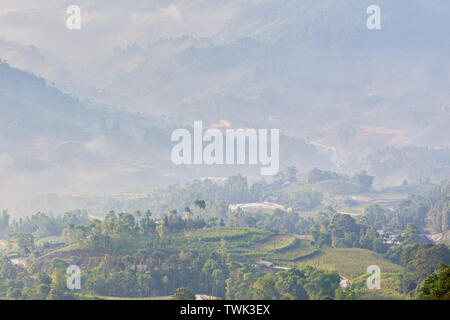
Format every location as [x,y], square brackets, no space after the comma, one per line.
[108,24]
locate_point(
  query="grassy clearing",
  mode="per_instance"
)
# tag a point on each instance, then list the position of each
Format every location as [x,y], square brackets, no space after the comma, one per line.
[349,262]
[390,288]
[248,234]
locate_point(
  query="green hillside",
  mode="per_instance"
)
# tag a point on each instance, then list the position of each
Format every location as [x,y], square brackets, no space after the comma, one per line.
[348,262]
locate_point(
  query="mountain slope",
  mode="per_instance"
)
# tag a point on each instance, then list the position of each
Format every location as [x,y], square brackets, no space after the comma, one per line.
[53,143]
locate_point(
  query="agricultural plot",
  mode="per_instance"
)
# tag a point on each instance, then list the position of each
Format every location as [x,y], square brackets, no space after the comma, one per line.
[274,243]
[390,288]
[284,248]
[294,250]
[348,262]
[229,234]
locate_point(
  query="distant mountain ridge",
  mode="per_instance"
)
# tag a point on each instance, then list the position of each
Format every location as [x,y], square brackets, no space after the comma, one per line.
[53,143]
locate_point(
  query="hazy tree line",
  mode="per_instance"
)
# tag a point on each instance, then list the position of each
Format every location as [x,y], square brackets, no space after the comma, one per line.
[156,264]
[429,208]
[41,224]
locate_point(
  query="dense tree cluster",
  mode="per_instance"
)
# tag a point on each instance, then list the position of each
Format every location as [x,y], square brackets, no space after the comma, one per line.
[293,284]
[16,282]
[41,224]
[428,208]
[437,285]
[342,231]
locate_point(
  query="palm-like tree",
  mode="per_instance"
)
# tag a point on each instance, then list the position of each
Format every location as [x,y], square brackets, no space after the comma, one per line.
[200,204]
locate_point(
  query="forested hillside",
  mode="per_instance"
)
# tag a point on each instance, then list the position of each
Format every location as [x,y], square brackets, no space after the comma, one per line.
[192,241]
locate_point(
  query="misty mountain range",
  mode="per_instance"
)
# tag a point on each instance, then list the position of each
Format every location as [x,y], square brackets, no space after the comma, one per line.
[95,115]
[54,143]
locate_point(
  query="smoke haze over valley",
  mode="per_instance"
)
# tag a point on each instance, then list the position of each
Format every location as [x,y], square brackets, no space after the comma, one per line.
[90,112]
[236,151]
